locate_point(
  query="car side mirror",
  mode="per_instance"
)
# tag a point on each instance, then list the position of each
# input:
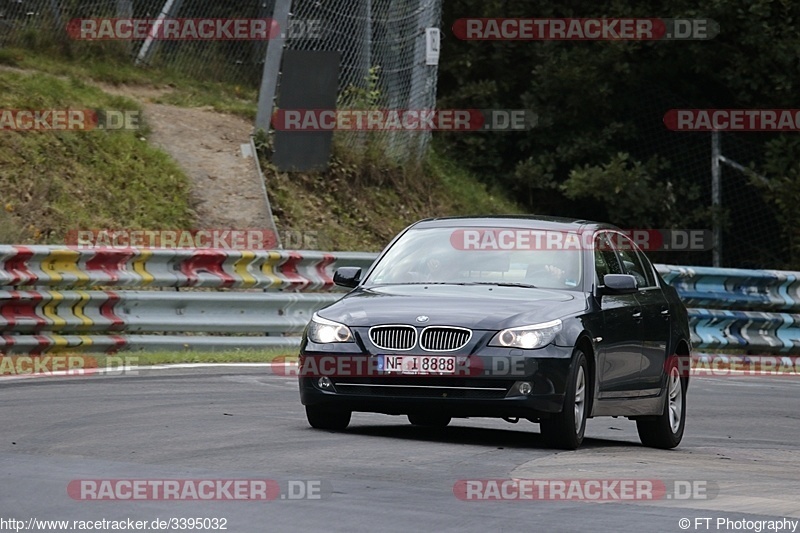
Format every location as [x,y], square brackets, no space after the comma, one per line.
[347,276]
[619,284]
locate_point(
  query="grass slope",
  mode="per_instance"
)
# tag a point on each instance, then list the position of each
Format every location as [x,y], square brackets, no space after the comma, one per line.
[181,89]
[52,182]
[360,206]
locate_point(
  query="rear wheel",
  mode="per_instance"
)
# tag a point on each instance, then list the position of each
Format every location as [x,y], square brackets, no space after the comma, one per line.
[666,430]
[429,420]
[565,429]
[326,418]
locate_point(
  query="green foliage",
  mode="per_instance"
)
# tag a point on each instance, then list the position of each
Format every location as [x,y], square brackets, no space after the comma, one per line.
[366,97]
[360,203]
[783,190]
[597,100]
[629,190]
[365,150]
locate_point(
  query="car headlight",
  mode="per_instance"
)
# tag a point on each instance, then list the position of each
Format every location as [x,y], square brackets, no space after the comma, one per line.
[324,331]
[527,337]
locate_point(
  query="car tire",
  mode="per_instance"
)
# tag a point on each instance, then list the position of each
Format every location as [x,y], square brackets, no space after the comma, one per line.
[429,420]
[666,430]
[565,430]
[326,418]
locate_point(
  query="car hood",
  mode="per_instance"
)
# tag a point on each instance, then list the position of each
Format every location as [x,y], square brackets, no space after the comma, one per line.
[476,307]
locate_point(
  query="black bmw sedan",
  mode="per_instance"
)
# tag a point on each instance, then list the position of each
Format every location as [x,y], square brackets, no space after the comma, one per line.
[545,319]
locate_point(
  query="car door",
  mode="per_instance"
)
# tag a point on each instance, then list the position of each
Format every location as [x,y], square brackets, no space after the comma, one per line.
[655,316]
[619,357]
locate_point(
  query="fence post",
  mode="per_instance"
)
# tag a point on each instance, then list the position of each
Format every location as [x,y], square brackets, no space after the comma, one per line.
[422,80]
[124,9]
[272,65]
[716,199]
[55,10]
[390,69]
[366,57]
[171,7]
[367,45]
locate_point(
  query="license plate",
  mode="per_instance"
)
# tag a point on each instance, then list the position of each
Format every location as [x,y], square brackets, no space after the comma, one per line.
[419,364]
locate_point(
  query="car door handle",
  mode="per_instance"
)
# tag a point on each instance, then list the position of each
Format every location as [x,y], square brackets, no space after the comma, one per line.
[637,315]
[665,312]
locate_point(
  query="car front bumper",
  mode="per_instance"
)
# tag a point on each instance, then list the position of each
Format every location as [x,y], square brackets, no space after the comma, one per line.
[494,391]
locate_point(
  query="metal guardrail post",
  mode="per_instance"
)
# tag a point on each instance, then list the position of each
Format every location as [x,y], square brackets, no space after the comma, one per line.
[272,66]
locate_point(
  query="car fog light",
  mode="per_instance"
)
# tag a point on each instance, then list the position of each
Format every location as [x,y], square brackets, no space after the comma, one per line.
[325,383]
[525,388]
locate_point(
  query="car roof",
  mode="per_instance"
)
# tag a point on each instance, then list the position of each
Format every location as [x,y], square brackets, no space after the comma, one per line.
[514,221]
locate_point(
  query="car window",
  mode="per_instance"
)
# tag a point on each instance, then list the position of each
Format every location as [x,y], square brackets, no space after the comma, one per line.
[631,262]
[648,269]
[605,260]
[482,255]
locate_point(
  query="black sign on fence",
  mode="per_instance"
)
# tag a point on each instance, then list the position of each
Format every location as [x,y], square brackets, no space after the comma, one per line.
[309,81]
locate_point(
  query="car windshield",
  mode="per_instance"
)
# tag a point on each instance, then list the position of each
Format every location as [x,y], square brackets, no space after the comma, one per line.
[493,256]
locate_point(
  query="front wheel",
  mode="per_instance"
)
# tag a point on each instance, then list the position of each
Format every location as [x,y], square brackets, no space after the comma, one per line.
[666,430]
[325,418]
[565,429]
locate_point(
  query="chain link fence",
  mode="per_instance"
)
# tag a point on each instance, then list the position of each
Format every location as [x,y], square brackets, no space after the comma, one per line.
[43,25]
[383,65]
[749,229]
[382,45]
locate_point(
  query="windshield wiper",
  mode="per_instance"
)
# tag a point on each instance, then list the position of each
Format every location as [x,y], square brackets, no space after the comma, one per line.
[421,283]
[501,284]
[461,283]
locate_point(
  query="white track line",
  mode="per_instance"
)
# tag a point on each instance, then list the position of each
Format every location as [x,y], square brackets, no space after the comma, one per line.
[131,370]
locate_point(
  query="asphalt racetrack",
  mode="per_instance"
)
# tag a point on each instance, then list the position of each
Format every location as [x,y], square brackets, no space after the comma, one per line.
[739,457]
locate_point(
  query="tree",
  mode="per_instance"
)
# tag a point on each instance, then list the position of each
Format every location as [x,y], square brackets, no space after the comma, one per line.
[600,104]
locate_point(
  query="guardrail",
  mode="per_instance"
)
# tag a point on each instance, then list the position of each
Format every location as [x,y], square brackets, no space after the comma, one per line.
[46,266]
[737,309]
[53,300]
[263,299]
[735,288]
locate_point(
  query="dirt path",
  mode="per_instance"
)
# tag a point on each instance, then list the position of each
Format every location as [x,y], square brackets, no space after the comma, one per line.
[226,192]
